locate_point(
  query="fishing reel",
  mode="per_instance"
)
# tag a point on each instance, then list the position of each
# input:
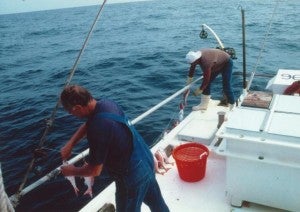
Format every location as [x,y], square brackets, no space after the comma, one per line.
[203,34]
[230,51]
[39,154]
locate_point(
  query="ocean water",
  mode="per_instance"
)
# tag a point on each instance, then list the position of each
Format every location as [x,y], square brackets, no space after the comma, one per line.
[136,56]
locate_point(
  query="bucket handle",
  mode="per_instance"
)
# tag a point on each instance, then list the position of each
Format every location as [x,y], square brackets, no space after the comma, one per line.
[203,154]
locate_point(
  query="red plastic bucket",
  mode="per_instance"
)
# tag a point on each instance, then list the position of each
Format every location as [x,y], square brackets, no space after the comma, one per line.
[191,160]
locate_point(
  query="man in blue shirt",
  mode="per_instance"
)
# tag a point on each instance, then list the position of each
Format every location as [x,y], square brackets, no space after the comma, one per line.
[116,145]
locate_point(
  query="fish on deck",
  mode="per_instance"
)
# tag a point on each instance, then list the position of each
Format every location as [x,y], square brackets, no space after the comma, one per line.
[161,158]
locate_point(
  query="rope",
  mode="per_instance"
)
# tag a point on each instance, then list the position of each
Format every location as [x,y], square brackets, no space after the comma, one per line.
[5,204]
[49,123]
[263,46]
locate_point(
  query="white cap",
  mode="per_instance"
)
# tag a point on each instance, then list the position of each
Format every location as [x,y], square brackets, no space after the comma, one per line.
[192,56]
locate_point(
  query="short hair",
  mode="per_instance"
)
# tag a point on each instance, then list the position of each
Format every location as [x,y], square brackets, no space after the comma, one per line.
[75,95]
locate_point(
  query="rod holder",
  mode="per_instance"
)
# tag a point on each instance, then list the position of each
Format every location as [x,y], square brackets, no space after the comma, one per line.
[221,118]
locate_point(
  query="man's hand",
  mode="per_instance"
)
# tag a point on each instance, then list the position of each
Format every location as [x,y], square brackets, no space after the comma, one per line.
[189,80]
[67,170]
[197,92]
[66,151]
[86,170]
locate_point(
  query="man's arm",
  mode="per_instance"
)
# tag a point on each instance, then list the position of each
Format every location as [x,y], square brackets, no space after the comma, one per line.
[206,79]
[84,171]
[78,135]
[192,70]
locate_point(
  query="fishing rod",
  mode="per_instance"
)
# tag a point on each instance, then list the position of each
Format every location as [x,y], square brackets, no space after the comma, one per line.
[262,47]
[203,34]
[84,153]
[15,198]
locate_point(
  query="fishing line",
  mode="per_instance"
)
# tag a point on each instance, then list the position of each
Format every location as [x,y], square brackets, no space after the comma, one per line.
[262,46]
[167,128]
[49,122]
[176,118]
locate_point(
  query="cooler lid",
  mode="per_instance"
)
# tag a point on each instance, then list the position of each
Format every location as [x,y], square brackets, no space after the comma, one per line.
[246,119]
[198,130]
[285,124]
[286,117]
[285,103]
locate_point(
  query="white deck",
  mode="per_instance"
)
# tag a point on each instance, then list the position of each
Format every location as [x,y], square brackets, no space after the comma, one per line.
[209,194]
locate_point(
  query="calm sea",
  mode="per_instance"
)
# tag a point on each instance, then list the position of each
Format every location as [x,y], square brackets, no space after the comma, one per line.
[136,56]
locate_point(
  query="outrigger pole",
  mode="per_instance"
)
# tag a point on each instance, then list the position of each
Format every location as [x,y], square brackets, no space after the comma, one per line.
[15,198]
[262,47]
[244,50]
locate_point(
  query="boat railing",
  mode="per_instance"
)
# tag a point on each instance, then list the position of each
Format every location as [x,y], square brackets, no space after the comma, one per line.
[14,198]
[162,103]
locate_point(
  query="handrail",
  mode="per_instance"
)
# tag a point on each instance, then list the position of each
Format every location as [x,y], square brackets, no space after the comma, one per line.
[151,110]
[84,153]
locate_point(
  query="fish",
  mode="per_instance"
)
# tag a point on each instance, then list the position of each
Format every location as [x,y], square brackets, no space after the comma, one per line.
[181,113]
[182,104]
[185,96]
[72,180]
[160,159]
[157,166]
[89,182]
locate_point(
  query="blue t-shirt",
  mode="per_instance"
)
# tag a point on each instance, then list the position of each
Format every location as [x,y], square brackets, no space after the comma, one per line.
[110,142]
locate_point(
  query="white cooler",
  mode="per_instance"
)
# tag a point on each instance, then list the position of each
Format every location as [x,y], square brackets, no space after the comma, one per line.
[282,80]
[262,149]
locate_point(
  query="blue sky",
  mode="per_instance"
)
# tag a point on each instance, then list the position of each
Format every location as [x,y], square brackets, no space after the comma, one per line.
[17,6]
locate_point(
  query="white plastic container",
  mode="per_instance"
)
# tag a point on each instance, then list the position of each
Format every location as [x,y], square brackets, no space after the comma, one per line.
[282,80]
[262,149]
